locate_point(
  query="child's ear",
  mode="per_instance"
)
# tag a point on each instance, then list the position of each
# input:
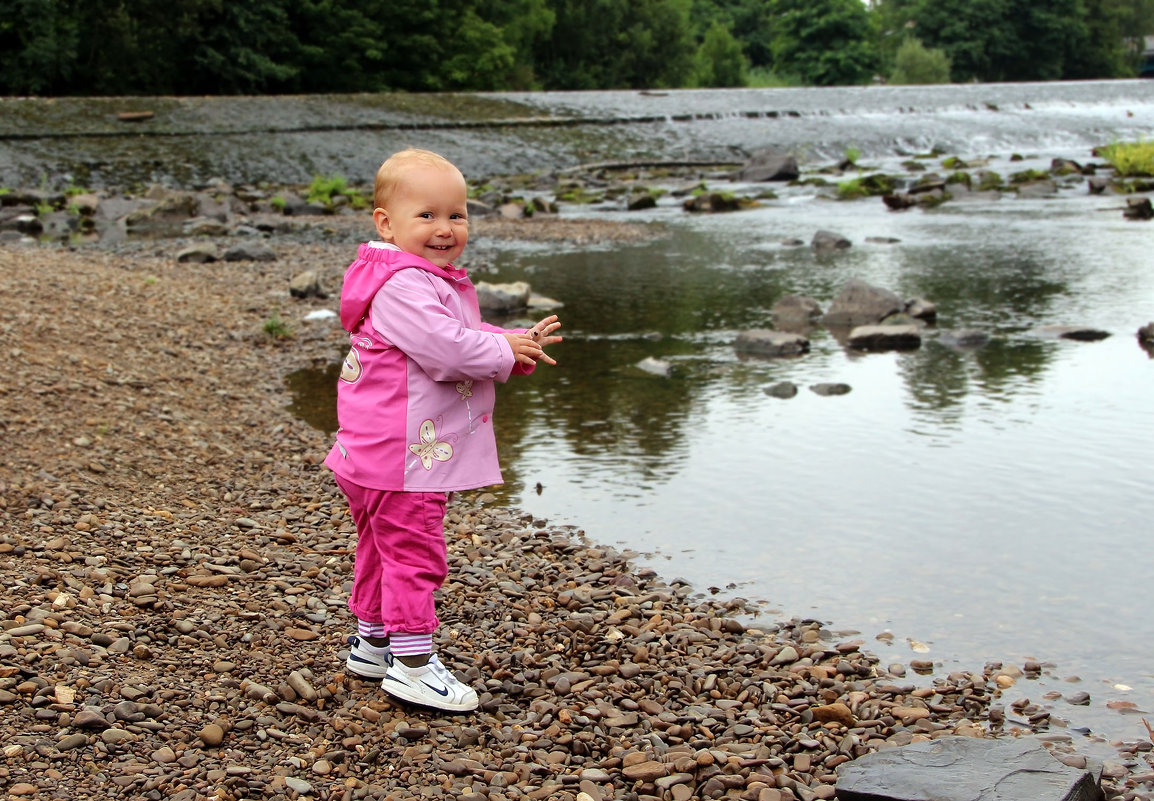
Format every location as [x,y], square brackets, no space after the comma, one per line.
[384,226]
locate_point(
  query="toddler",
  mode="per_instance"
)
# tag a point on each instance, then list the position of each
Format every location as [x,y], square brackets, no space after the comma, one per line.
[415,413]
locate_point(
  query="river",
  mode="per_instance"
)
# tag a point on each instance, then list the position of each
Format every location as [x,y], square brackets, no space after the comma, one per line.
[956,506]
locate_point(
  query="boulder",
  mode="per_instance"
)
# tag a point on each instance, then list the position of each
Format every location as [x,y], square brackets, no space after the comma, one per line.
[1146,333]
[885,337]
[477,208]
[768,165]
[765,342]
[966,768]
[899,202]
[830,388]
[782,389]
[503,298]
[166,215]
[711,202]
[1138,208]
[658,367]
[641,201]
[859,303]
[307,285]
[250,251]
[198,254]
[921,309]
[1076,332]
[795,308]
[828,240]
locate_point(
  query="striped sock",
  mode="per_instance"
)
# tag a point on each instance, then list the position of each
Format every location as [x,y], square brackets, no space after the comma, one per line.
[402,643]
[368,629]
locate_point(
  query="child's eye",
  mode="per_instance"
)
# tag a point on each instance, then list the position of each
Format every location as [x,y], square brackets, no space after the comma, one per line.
[426,215]
[461,217]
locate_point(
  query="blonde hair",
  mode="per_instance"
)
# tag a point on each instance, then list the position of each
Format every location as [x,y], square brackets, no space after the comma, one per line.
[392,172]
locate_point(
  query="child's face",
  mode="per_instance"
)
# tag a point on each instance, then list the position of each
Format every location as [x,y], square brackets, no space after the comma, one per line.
[427,214]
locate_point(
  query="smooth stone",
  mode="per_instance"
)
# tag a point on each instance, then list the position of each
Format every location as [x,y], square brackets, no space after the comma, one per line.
[299,786]
[114,736]
[72,741]
[782,389]
[885,337]
[962,769]
[211,735]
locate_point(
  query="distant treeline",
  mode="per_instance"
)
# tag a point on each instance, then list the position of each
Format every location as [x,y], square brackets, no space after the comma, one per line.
[212,47]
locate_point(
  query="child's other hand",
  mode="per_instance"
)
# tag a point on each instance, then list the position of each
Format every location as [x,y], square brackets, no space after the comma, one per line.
[525,349]
[542,334]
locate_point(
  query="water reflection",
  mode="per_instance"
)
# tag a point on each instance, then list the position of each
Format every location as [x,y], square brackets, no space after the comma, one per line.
[943,498]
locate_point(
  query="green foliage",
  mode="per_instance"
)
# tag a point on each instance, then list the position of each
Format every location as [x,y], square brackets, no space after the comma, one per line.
[617,44]
[915,64]
[852,154]
[1021,40]
[1026,176]
[959,177]
[276,328]
[323,187]
[278,202]
[827,42]
[865,186]
[767,78]
[1130,158]
[719,60]
[157,47]
[989,180]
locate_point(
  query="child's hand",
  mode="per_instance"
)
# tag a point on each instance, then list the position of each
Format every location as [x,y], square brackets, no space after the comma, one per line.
[525,348]
[542,334]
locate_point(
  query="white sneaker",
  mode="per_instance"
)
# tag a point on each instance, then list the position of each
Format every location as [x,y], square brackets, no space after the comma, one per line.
[430,685]
[363,662]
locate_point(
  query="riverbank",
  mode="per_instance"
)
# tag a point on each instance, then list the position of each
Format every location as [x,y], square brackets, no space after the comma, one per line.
[176,562]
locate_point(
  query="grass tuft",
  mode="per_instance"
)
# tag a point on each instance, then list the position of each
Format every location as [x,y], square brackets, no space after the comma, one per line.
[1130,158]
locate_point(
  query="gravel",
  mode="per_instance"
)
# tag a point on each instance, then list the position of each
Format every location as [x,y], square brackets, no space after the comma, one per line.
[176,562]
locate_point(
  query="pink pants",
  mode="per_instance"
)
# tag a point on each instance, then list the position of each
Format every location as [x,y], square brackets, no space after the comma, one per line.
[400,559]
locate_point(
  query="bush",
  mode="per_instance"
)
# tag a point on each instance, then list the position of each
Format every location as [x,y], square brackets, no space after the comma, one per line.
[917,64]
[719,62]
[323,187]
[1130,158]
[766,78]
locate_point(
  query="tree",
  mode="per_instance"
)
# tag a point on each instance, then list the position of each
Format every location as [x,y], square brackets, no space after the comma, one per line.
[617,44]
[720,61]
[1005,40]
[38,46]
[523,24]
[914,64]
[825,42]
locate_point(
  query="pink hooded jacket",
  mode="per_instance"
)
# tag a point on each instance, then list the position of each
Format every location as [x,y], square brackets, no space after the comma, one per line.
[415,397]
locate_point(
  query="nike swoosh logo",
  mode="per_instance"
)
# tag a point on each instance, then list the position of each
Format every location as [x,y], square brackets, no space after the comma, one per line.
[443,693]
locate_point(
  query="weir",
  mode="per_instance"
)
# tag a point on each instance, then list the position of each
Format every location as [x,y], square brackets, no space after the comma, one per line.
[189,141]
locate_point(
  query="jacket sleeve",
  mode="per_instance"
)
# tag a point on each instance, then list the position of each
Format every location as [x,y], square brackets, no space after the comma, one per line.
[408,313]
[518,368]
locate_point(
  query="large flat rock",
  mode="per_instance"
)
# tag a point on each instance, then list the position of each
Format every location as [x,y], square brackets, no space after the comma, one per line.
[966,769]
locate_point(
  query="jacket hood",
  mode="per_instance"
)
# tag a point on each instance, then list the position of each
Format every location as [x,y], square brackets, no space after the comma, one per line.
[373,267]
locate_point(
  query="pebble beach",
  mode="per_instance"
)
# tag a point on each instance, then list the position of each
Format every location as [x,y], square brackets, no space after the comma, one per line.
[175,563]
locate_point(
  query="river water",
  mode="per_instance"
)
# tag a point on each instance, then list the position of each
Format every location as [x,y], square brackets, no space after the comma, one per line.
[978,506]
[967,506]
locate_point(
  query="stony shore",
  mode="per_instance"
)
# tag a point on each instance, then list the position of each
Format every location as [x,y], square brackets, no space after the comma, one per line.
[176,563]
